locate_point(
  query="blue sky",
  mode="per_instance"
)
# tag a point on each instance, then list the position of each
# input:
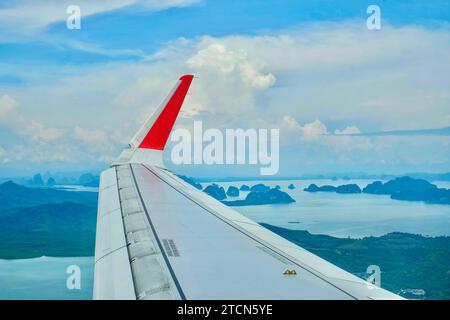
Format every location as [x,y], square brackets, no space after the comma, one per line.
[147,30]
[69,99]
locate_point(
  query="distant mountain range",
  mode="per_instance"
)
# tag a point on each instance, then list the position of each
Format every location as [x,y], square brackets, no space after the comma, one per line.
[48,180]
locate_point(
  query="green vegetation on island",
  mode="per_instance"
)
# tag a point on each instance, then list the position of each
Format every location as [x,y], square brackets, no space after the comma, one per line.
[215,191]
[233,191]
[409,263]
[410,189]
[64,229]
[346,188]
[37,222]
[403,188]
[271,196]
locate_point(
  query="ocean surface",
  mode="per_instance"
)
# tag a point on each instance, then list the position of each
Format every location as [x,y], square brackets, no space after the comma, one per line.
[75,188]
[44,278]
[347,215]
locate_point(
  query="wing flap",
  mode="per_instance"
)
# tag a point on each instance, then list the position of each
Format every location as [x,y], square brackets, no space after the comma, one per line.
[128,261]
[112,272]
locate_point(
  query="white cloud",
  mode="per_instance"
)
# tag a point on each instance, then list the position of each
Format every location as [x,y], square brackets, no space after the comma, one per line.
[308,131]
[215,58]
[38,131]
[28,16]
[7,104]
[337,72]
[90,137]
[336,77]
[348,130]
[12,118]
[93,48]
[358,77]
[313,129]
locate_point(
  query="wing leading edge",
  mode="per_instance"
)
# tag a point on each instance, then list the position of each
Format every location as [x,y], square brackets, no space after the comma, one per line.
[160,238]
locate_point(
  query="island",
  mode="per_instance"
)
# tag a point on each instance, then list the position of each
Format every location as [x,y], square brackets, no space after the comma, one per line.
[244,187]
[402,188]
[233,191]
[314,188]
[271,196]
[89,180]
[260,187]
[410,189]
[215,191]
[402,184]
[346,188]
[291,187]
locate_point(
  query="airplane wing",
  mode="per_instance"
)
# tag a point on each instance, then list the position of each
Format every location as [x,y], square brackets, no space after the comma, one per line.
[160,238]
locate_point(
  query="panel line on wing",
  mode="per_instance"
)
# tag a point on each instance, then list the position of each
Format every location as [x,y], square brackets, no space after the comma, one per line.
[166,259]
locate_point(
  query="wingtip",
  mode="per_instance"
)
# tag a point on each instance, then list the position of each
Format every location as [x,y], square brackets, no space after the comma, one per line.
[187,77]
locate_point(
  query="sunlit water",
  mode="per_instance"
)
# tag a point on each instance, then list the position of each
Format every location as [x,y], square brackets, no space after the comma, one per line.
[44,278]
[75,188]
[344,215]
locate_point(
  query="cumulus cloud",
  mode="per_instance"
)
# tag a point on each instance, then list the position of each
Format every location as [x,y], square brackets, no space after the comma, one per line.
[313,129]
[315,135]
[348,130]
[34,141]
[217,58]
[337,80]
[308,131]
[340,71]
[22,125]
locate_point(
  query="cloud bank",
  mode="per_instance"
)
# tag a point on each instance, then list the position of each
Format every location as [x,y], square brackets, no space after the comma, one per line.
[318,83]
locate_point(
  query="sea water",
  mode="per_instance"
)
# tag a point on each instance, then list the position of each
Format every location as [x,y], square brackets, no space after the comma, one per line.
[346,215]
[45,278]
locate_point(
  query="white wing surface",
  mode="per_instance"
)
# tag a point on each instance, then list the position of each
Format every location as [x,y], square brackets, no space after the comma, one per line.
[160,238]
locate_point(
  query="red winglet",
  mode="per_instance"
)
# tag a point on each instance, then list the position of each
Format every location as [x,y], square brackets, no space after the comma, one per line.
[158,134]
